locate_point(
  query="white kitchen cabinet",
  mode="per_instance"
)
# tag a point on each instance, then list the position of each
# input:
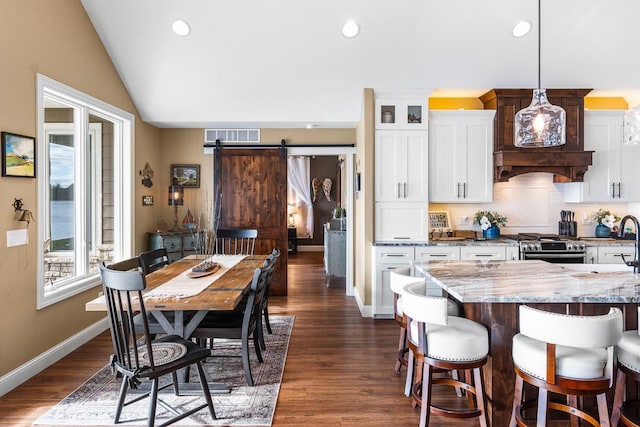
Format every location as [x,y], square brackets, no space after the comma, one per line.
[401,222]
[513,253]
[461,156]
[386,259]
[483,253]
[436,253]
[401,165]
[592,255]
[612,254]
[614,174]
[400,113]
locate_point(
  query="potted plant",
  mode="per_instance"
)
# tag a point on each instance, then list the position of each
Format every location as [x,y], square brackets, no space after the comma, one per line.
[605,221]
[490,222]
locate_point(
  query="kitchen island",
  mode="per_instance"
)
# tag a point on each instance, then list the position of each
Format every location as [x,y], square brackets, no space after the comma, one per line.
[491,292]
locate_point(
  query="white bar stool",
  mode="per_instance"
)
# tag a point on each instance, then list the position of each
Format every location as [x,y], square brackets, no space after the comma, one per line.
[564,354]
[442,342]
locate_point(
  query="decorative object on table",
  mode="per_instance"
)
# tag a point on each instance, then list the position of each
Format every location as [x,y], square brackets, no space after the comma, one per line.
[292,210]
[18,155]
[176,198]
[185,175]
[147,200]
[541,124]
[490,222]
[188,221]
[92,403]
[605,221]
[326,188]
[147,173]
[316,184]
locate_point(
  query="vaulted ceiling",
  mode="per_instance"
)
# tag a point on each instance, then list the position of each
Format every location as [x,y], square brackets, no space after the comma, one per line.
[285,63]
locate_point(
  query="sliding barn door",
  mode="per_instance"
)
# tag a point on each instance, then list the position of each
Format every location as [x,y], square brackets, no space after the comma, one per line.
[253,188]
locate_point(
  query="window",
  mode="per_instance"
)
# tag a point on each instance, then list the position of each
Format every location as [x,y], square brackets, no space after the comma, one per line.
[85,191]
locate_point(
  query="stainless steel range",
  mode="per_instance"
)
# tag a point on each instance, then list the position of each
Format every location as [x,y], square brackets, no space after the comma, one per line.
[552,248]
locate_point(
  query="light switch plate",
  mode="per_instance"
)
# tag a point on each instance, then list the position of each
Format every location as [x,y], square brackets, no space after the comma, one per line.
[17,237]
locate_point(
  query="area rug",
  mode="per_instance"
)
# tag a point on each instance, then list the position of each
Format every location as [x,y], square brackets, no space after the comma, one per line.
[94,402]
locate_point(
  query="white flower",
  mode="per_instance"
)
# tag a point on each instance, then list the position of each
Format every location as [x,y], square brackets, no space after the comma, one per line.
[609,220]
[485,223]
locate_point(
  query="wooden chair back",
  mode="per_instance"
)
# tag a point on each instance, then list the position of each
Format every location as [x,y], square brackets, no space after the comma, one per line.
[153,260]
[123,289]
[234,241]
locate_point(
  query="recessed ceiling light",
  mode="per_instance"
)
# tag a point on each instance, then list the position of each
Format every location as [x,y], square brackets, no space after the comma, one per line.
[521,29]
[181,27]
[350,29]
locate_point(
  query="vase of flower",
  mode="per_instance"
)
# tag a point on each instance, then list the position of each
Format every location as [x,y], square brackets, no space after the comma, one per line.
[490,223]
[492,232]
[605,221]
[603,231]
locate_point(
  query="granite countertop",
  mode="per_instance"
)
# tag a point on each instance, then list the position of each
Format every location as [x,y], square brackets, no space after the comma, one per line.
[533,281]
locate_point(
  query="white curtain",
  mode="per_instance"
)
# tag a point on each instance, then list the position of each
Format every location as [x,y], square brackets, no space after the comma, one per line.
[299,178]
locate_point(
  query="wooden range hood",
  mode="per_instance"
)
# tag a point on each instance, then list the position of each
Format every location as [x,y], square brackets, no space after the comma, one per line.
[567,163]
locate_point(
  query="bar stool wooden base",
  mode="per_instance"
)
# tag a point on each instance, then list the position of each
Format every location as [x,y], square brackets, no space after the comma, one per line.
[621,407]
[425,380]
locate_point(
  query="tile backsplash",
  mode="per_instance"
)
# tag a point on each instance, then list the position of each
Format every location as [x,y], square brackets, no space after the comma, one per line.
[532,203]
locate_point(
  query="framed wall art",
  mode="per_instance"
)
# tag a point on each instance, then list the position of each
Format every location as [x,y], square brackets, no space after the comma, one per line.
[18,155]
[147,200]
[187,176]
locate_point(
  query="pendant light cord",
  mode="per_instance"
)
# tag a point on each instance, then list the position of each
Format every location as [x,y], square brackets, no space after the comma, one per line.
[539,42]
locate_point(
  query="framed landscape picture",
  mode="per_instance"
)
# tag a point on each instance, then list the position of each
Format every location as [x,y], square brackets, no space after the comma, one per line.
[18,155]
[187,176]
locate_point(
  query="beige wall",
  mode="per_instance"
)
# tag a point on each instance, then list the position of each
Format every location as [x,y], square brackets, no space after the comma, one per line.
[56,39]
[186,146]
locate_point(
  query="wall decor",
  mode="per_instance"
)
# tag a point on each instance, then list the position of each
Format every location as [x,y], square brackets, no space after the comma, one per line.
[147,173]
[187,176]
[18,155]
[147,200]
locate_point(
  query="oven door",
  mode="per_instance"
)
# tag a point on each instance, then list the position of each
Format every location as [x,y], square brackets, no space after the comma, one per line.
[557,257]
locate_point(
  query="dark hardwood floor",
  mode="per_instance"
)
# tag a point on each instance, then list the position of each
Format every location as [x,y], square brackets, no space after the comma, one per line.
[339,368]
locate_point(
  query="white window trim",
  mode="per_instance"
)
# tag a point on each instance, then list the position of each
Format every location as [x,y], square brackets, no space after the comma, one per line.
[123,172]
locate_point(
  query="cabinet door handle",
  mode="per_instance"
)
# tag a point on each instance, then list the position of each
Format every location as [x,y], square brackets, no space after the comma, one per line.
[458,191]
[437,255]
[464,190]
[613,190]
[405,190]
[398,192]
[619,194]
[483,255]
[395,255]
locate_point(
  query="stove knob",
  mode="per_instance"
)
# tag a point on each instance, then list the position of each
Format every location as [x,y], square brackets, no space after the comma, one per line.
[569,246]
[537,246]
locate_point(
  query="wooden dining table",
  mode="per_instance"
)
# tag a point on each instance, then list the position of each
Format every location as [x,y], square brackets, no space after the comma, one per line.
[222,294]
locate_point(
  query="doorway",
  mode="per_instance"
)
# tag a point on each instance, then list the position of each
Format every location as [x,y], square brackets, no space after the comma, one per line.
[347,176]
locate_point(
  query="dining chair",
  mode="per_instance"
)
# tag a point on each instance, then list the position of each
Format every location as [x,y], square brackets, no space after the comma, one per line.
[565,354]
[153,260]
[275,254]
[440,342]
[628,355]
[239,324]
[137,357]
[236,241]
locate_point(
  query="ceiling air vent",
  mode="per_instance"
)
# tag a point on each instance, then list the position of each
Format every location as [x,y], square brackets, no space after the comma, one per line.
[232,135]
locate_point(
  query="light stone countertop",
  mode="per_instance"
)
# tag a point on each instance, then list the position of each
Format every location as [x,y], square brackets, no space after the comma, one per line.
[533,281]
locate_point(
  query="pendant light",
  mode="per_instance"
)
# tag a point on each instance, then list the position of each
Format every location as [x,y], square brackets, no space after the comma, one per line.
[541,124]
[632,126]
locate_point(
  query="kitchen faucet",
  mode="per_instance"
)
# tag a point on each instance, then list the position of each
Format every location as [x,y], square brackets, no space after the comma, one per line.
[636,260]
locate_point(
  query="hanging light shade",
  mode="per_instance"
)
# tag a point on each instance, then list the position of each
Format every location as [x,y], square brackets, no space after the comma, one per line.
[632,125]
[541,124]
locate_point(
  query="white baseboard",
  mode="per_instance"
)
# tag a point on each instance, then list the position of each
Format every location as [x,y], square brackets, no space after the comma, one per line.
[365,310]
[34,366]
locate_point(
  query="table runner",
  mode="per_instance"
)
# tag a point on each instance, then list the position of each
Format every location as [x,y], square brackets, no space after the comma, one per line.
[183,286]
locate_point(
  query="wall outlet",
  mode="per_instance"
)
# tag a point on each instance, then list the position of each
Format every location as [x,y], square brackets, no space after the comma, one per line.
[586,220]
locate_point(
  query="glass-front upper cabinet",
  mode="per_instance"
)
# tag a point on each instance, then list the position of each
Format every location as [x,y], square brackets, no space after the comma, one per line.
[401,113]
